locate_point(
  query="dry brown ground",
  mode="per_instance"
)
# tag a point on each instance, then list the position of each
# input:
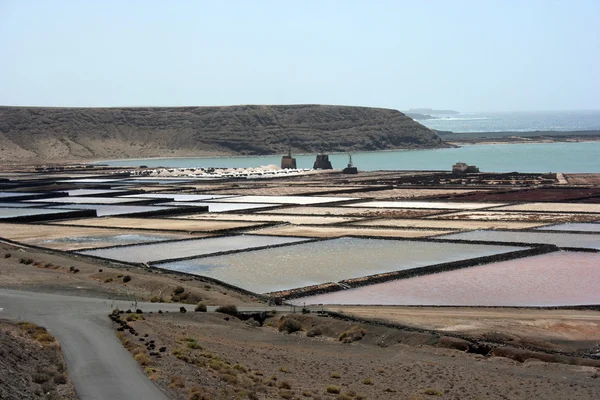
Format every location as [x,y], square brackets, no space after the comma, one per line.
[555,329]
[51,272]
[227,359]
[31,364]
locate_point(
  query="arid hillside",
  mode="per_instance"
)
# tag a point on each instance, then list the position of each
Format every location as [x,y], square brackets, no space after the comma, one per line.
[33,134]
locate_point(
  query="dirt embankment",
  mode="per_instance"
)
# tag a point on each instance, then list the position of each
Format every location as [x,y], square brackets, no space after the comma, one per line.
[38,133]
[31,364]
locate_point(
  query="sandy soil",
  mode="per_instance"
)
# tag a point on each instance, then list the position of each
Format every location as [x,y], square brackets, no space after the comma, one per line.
[52,272]
[395,194]
[36,234]
[326,231]
[565,329]
[204,350]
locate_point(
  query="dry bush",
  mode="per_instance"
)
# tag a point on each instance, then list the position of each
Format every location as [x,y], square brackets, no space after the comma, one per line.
[228,309]
[178,290]
[285,385]
[289,324]
[177,382]
[333,389]
[200,307]
[314,332]
[352,335]
[143,359]
[127,278]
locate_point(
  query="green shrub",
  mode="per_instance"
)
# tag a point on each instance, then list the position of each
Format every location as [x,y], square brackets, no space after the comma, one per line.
[433,392]
[335,375]
[367,381]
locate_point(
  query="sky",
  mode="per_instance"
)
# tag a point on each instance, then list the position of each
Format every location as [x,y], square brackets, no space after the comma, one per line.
[465,55]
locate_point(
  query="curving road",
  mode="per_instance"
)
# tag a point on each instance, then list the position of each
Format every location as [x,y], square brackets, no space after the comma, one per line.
[98,364]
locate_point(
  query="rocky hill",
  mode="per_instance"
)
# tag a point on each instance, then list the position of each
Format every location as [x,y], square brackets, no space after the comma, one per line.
[33,134]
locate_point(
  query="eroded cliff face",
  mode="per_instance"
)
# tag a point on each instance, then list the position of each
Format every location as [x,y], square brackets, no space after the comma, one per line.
[54,134]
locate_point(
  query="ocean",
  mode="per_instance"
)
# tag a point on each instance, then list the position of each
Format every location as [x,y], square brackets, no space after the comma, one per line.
[530,157]
[516,121]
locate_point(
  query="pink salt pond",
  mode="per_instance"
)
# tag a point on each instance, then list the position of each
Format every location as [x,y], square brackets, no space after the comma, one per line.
[554,279]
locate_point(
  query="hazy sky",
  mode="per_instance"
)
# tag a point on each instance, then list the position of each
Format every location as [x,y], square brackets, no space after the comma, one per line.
[478,55]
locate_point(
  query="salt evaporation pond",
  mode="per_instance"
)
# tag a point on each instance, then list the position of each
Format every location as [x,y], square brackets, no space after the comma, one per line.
[178,197]
[11,212]
[187,248]
[578,227]
[333,260]
[221,207]
[88,200]
[109,240]
[103,210]
[557,239]
[553,279]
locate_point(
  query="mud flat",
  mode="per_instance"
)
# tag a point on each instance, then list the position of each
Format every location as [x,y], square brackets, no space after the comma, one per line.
[73,238]
[426,204]
[446,224]
[160,224]
[292,219]
[517,216]
[393,194]
[314,263]
[347,211]
[554,279]
[145,253]
[564,240]
[339,231]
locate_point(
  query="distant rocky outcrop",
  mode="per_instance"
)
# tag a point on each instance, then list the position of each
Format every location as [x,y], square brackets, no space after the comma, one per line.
[32,134]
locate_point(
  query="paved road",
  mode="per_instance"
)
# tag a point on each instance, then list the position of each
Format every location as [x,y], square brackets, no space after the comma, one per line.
[98,365]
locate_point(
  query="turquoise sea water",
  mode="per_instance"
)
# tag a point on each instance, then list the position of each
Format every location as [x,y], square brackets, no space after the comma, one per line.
[516,121]
[534,157]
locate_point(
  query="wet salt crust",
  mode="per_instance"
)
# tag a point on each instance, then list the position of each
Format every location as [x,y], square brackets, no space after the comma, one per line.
[333,260]
[554,279]
[187,248]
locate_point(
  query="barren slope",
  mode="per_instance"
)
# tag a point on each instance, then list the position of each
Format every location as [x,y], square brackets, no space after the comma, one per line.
[38,133]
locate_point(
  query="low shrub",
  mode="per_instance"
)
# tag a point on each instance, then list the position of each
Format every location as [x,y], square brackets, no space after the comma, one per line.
[177,382]
[228,309]
[352,335]
[156,299]
[178,290]
[142,359]
[335,375]
[367,381]
[200,307]
[60,379]
[290,325]
[40,378]
[432,392]
[127,278]
[7,255]
[314,332]
[108,280]
[285,385]
[333,389]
